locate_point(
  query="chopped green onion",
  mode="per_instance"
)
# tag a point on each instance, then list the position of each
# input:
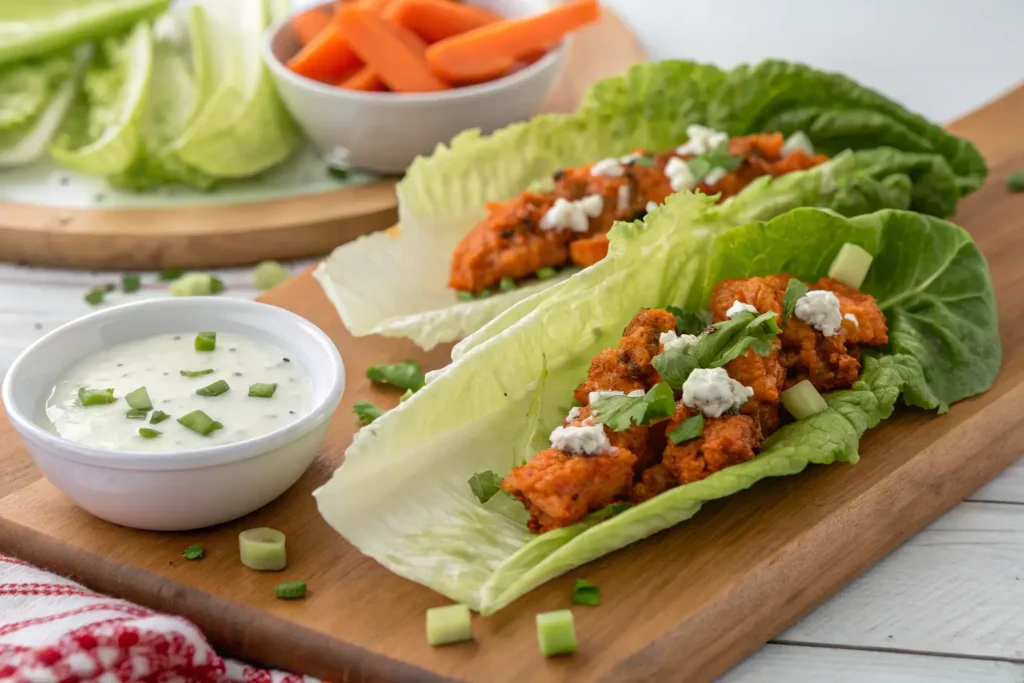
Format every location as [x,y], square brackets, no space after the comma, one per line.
[803,400]
[270,274]
[206,341]
[95,295]
[195,373]
[196,284]
[95,397]
[263,549]
[139,399]
[1015,183]
[408,374]
[464,296]
[586,593]
[199,422]
[339,172]
[262,390]
[292,590]
[194,552]
[147,433]
[795,290]
[507,284]
[556,633]
[136,414]
[216,389]
[850,265]
[168,274]
[130,283]
[450,624]
[690,428]
[157,417]
[545,273]
[367,411]
[483,293]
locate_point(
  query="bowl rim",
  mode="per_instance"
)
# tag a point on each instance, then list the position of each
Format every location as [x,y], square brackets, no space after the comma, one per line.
[550,60]
[211,456]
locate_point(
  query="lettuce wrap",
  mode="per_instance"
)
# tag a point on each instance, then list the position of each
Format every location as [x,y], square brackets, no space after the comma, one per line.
[401,496]
[395,283]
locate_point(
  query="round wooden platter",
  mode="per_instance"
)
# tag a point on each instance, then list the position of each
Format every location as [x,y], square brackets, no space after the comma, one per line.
[56,219]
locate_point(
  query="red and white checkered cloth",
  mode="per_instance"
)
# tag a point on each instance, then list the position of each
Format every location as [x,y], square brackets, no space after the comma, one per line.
[52,630]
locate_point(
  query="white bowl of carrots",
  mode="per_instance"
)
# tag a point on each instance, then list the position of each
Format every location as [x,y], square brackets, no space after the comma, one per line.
[380,82]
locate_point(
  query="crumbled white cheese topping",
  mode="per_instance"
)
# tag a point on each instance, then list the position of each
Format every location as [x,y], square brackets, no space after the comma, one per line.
[624,198]
[713,392]
[798,141]
[609,168]
[820,309]
[671,340]
[587,439]
[574,414]
[651,206]
[714,175]
[852,318]
[679,175]
[702,140]
[739,307]
[566,215]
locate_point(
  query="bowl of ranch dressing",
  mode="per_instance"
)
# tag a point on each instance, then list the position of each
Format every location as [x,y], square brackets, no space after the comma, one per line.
[176,414]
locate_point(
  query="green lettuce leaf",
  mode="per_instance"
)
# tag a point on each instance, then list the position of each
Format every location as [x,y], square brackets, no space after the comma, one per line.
[401,495]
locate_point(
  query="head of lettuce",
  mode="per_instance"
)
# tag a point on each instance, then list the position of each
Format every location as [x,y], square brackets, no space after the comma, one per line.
[881,156]
[403,495]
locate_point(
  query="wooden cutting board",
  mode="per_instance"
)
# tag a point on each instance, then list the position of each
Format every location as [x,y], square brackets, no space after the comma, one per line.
[685,604]
[233,227]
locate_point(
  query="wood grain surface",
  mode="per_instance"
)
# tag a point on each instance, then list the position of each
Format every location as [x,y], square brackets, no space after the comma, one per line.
[293,227]
[685,604]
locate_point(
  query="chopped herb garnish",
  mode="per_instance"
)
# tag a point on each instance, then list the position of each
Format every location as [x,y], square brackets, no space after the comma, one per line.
[690,322]
[607,512]
[136,414]
[367,411]
[406,396]
[292,590]
[270,274]
[199,422]
[507,284]
[620,412]
[262,390]
[464,296]
[485,485]
[139,400]
[645,160]
[206,341]
[95,397]
[406,374]
[719,157]
[216,389]
[194,552]
[147,433]
[339,172]
[130,283]
[157,417]
[95,295]
[1015,183]
[690,428]
[545,273]
[195,373]
[586,593]
[576,403]
[795,290]
[168,274]
[484,293]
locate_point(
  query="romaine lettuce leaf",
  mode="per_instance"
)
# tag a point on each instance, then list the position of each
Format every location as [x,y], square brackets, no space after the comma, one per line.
[401,496]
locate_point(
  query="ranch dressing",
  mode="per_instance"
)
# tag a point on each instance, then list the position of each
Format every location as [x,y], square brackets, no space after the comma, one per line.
[155,363]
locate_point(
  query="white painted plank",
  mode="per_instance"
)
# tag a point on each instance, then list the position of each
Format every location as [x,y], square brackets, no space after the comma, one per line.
[796,664]
[1008,487]
[957,587]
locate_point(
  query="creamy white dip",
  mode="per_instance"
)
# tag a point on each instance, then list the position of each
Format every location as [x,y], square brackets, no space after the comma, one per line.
[155,363]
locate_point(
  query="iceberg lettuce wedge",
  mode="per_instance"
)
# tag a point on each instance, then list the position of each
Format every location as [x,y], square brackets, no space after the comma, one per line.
[401,496]
[396,284]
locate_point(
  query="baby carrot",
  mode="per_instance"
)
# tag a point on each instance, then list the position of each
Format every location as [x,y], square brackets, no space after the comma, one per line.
[380,45]
[365,79]
[309,24]
[434,20]
[465,56]
[328,57]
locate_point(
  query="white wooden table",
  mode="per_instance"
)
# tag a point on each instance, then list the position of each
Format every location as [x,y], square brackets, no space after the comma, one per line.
[949,604]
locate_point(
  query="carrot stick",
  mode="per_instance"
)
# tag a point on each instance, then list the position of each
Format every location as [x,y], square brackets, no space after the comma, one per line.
[434,20]
[462,57]
[309,24]
[365,79]
[328,57]
[381,46]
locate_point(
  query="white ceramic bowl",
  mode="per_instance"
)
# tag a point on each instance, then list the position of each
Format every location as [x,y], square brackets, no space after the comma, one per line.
[384,132]
[190,489]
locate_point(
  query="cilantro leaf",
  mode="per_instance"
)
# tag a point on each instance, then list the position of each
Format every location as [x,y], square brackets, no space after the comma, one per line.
[690,322]
[794,291]
[406,374]
[691,428]
[367,411]
[645,160]
[485,485]
[586,593]
[622,412]
[719,157]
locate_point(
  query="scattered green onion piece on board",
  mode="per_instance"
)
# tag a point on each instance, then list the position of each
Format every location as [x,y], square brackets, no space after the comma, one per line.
[850,265]
[507,284]
[157,417]
[95,296]
[199,422]
[196,284]
[206,341]
[586,593]
[545,273]
[139,399]
[367,411]
[556,633]
[216,389]
[95,397]
[450,624]
[262,549]
[195,373]
[147,433]
[803,400]
[292,590]
[194,552]
[168,274]
[136,414]
[464,296]
[262,390]
[130,283]
[270,274]
[1015,183]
